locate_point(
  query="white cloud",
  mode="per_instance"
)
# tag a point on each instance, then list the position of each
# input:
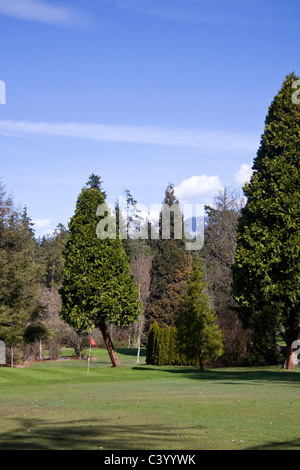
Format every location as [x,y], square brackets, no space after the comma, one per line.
[202,187]
[153,215]
[40,223]
[42,227]
[49,232]
[41,11]
[216,140]
[243,174]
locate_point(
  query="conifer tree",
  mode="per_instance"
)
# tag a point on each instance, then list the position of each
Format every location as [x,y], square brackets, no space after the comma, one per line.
[51,255]
[97,286]
[128,222]
[18,273]
[153,334]
[198,333]
[266,272]
[171,265]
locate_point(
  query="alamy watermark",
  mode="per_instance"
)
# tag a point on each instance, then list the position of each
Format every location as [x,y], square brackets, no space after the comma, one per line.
[296,94]
[2,92]
[2,353]
[188,223]
[296,353]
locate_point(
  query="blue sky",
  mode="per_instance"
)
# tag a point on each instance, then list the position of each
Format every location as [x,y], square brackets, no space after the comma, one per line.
[141,92]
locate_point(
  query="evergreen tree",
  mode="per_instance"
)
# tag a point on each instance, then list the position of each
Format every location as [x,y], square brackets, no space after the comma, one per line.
[198,333]
[51,256]
[95,182]
[18,273]
[153,333]
[266,272]
[128,223]
[170,266]
[97,286]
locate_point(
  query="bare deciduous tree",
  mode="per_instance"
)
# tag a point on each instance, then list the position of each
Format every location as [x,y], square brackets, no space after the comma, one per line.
[140,267]
[218,253]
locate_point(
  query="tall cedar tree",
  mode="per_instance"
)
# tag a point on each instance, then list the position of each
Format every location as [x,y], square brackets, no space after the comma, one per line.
[97,286]
[171,265]
[267,264]
[198,333]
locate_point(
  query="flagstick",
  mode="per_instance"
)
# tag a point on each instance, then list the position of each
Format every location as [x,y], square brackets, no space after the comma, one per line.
[87,372]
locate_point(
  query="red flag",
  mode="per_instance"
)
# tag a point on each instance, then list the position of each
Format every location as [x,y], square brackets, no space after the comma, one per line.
[92,342]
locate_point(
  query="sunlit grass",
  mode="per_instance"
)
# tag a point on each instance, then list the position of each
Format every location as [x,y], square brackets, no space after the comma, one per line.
[56,405]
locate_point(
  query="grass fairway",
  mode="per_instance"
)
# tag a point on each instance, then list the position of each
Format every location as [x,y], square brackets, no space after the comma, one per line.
[55,405]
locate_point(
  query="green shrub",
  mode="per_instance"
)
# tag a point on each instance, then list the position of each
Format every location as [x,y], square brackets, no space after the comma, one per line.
[163,348]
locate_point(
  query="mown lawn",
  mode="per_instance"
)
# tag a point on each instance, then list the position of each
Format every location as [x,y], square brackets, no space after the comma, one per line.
[56,405]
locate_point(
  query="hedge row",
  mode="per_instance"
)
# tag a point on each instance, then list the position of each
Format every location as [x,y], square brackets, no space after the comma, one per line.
[163,348]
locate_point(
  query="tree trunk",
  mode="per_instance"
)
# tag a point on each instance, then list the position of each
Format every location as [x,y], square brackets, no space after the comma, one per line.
[140,328]
[41,350]
[138,352]
[200,361]
[11,356]
[138,343]
[109,345]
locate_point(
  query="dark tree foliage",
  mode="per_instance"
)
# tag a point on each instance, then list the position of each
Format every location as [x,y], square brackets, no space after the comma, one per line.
[18,272]
[266,272]
[198,332]
[171,265]
[95,182]
[51,257]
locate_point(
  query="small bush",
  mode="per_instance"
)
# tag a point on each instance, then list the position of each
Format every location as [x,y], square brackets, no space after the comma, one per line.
[163,348]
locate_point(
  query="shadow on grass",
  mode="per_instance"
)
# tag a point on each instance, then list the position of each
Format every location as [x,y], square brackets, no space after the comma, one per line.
[293,444]
[38,434]
[131,352]
[228,376]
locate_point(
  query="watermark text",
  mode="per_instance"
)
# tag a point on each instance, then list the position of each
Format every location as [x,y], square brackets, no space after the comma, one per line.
[296,94]
[2,92]
[136,224]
